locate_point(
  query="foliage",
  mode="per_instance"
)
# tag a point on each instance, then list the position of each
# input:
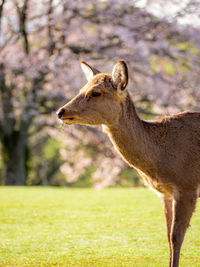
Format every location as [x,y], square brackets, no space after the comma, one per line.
[46,171]
[73,227]
[129,178]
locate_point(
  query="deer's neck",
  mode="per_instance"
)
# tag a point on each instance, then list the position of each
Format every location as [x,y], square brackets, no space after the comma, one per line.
[130,137]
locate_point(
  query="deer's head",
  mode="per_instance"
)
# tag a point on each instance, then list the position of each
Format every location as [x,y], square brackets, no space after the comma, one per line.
[100,100]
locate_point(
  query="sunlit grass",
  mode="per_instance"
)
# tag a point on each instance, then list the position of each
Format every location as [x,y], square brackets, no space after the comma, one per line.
[84,227]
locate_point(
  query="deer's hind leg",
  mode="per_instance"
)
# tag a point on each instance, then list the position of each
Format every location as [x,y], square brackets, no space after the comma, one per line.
[183,207]
[168,205]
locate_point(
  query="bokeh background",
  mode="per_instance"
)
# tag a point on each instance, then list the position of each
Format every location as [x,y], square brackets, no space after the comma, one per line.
[41,45]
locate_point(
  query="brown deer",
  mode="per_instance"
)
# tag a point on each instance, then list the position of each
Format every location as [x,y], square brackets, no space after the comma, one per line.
[165,152]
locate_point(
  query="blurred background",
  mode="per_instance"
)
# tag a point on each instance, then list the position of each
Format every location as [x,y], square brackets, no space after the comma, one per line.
[41,45]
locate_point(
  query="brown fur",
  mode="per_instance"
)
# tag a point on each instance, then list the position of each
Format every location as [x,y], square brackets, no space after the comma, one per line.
[165,152]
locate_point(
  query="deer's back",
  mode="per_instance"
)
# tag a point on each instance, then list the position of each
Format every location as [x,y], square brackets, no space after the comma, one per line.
[176,147]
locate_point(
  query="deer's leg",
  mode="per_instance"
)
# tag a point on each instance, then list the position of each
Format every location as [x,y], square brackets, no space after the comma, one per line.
[168,215]
[183,208]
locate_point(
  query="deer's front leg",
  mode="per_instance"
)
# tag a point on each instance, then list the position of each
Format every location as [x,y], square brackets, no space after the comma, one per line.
[168,215]
[183,208]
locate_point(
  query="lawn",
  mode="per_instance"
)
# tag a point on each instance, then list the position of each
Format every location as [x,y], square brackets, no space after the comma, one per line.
[43,226]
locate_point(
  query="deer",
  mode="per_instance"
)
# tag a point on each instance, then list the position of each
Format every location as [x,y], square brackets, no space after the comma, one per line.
[165,151]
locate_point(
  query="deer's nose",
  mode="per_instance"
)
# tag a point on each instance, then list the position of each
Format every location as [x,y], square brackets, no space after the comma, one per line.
[61,113]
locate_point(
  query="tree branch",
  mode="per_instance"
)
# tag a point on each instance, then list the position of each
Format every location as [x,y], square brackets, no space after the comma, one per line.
[1,129]
[51,43]
[22,13]
[1,11]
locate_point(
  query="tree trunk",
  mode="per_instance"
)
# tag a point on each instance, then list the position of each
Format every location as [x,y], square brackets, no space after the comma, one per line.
[14,159]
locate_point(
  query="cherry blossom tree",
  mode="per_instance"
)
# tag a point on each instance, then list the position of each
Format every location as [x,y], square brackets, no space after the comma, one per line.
[41,44]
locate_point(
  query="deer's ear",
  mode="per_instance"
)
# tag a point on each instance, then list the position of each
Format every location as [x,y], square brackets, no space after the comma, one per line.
[120,75]
[89,71]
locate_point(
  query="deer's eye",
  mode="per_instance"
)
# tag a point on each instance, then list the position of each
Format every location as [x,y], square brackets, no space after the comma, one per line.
[95,94]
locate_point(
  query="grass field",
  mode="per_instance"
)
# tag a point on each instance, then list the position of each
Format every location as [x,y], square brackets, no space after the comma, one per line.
[84,227]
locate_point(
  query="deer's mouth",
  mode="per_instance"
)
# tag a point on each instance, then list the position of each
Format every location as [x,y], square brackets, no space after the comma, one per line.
[68,120]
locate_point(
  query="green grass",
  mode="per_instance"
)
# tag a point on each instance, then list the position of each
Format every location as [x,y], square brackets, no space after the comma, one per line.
[84,227]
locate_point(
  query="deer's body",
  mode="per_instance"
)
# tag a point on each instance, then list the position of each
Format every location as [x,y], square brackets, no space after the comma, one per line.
[165,152]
